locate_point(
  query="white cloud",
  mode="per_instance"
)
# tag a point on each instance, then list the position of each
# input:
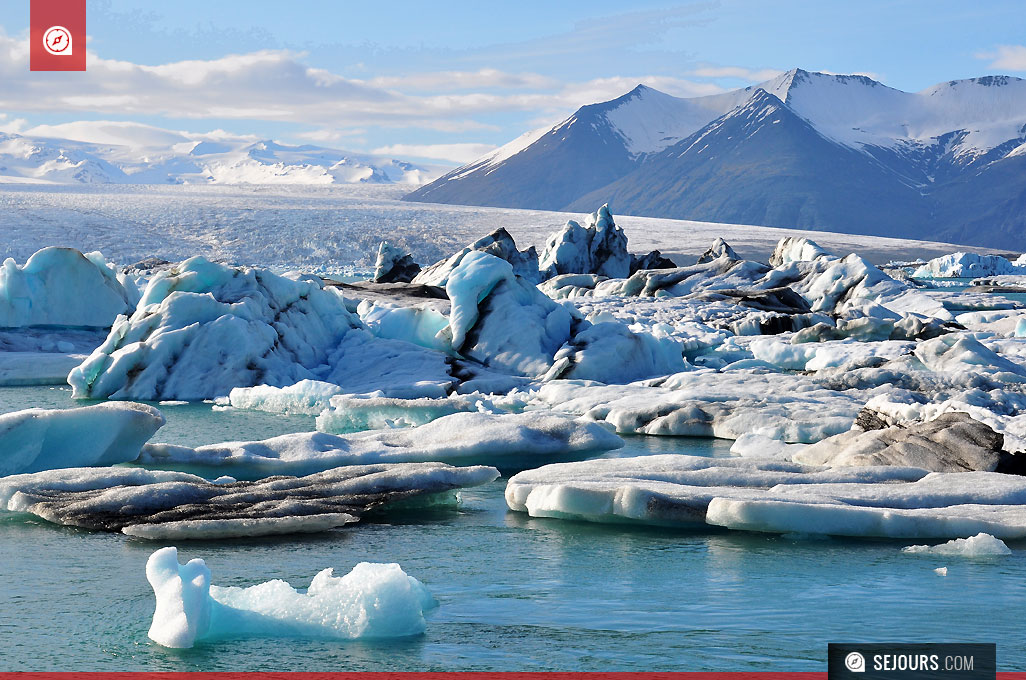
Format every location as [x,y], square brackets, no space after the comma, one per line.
[463,80]
[740,72]
[276,85]
[458,153]
[1006,57]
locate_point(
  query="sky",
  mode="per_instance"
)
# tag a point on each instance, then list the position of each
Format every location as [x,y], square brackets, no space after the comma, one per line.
[453,80]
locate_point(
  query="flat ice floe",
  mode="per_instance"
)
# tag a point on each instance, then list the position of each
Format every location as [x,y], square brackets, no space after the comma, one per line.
[507,441]
[372,601]
[775,497]
[159,505]
[103,434]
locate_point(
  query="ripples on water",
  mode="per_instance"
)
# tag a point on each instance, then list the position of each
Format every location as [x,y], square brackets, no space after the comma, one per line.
[516,593]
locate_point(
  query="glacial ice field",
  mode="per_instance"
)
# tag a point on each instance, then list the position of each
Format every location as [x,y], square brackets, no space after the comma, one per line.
[295,428]
[333,227]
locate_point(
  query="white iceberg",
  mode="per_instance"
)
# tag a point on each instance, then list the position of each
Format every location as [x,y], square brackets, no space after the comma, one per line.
[599,247]
[372,601]
[103,434]
[967,265]
[980,545]
[776,497]
[61,287]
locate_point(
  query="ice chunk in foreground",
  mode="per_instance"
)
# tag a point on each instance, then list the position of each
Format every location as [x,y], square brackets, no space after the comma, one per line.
[371,601]
[980,545]
[155,504]
[46,439]
[509,441]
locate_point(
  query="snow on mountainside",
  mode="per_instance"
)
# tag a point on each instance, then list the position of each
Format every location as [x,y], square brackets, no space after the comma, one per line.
[132,153]
[941,163]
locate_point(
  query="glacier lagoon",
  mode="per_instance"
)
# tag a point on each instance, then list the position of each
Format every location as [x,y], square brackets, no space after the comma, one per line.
[525,593]
[515,593]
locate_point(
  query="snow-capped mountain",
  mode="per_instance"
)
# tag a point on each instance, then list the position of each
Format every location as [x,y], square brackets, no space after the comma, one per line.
[111,152]
[809,150]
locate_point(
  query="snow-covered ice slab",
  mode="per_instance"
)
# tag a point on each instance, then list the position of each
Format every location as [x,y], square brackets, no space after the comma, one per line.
[354,414]
[158,505]
[372,601]
[508,441]
[776,497]
[708,403]
[670,489]
[103,434]
[61,287]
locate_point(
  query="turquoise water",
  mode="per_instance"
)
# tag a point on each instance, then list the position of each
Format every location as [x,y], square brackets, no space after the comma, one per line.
[516,593]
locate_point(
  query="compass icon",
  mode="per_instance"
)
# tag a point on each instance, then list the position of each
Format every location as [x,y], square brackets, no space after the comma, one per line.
[57,41]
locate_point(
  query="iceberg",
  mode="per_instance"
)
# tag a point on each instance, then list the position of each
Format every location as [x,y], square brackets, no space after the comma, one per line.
[163,505]
[508,441]
[372,601]
[550,342]
[61,287]
[348,413]
[599,247]
[38,439]
[953,442]
[202,328]
[394,265]
[670,489]
[980,545]
[967,265]
[498,244]
[776,497]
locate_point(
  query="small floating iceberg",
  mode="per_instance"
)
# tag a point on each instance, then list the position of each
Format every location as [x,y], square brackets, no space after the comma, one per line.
[980,545]
[372,601]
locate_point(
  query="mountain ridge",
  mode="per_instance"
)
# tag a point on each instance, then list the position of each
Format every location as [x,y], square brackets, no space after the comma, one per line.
[914,160]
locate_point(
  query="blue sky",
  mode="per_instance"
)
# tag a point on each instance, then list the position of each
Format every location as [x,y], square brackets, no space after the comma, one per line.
[451,80]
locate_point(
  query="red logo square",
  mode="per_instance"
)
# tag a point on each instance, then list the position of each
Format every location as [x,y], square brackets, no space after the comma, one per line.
[58,35]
